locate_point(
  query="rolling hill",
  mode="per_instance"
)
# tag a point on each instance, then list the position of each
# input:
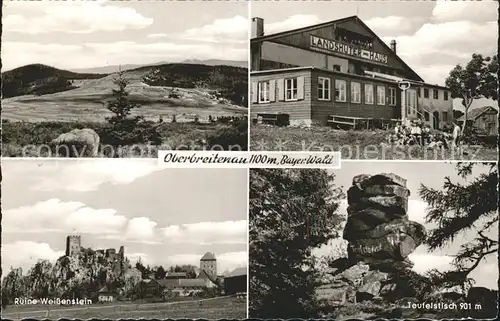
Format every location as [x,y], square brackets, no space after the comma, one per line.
[38,92]
[211,62]
[38,79]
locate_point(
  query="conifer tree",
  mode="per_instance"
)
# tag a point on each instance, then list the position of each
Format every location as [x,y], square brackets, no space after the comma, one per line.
[282,274]
[459,207]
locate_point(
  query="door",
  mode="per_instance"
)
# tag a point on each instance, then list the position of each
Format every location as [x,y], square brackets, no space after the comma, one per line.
[435,120]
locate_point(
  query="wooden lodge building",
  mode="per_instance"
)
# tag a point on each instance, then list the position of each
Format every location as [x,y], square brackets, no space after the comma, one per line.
[338,72]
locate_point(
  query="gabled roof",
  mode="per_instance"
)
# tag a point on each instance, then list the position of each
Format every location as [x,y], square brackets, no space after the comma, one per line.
[237,272]
[208,257]
[175,274]
[172,283]
[475,113]
[326,24]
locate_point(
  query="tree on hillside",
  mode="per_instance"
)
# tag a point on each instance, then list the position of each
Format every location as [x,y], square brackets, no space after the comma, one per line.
[478,79]
[189,269]
[291,212]
[126,129]
[458,208]
[121,106]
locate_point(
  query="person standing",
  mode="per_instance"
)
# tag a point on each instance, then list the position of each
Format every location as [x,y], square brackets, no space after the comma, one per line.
[456,133]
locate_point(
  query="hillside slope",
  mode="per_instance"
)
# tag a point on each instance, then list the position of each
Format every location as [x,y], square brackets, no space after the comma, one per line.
[112,69]
[38,79]
[161,90]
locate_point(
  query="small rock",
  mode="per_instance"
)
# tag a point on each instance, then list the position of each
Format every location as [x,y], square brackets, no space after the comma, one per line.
[368,291]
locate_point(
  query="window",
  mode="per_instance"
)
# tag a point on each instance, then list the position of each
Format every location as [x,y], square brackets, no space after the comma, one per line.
[340,88]
[336,68]
[323,88]
[392,96]
[356,92]
[264,92]
[380,95]
[445,116]
[291,89]
[426,116]
[445,95]
[369,94]
[426,93]
[435,94]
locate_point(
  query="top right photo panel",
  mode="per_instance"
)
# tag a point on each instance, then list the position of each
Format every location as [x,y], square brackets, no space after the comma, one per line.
[376,80]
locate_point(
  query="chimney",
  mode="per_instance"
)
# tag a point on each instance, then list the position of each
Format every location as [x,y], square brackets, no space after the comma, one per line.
[257,27]
[393,45]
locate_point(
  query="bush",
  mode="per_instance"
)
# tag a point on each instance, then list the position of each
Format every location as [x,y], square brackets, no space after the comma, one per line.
[229,138]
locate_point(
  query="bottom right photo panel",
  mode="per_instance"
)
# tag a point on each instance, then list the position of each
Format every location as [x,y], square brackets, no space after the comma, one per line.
[374,240]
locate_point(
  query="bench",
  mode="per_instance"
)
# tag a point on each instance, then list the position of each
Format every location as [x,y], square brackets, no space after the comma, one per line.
[349,122]
[273,119]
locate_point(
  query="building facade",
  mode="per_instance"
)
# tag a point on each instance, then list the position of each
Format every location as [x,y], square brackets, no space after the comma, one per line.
[338,68]
[482,118]
[208,265]
[236,282]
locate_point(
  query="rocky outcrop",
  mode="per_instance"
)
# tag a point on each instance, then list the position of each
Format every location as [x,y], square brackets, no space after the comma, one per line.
[380,238]
[377,228]
[80,276]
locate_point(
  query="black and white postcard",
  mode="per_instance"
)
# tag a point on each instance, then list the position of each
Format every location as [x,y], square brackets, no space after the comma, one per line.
[375,79]
[114,239]
[391,240]
[123,78]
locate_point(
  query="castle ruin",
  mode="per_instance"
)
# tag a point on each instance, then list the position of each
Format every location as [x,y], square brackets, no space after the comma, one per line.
[73,248]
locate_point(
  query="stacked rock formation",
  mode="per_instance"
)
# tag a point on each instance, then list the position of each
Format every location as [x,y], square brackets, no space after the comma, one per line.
[380,237]
[377,229]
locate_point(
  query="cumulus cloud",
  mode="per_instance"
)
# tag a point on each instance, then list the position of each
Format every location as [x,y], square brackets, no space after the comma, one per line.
[233,29]
[55,215]
[88,175]
[16,54]
[208,232]
[157,35]
[140,228]
[292,22]
[139,256]
[390,24]
[25,254]
[465,10]
[82,17]
[435,48]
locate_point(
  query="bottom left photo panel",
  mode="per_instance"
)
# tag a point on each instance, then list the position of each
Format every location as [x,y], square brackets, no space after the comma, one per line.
[122,238]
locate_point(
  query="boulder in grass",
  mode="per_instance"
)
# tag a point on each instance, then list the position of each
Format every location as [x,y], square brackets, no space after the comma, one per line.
[78,142]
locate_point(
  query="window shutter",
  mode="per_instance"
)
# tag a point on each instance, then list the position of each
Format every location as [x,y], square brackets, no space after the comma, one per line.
[281,89]
[272,90]
[254,92]
[300,87]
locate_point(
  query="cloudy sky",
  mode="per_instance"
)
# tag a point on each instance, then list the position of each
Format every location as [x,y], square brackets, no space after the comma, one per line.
[432,37]
[84,34]
[431,174]
[163,216]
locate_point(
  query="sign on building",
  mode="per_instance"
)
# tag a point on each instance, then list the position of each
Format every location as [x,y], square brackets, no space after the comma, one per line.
[320,44]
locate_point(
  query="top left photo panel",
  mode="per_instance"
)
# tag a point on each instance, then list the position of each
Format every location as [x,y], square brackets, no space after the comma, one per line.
[123,79]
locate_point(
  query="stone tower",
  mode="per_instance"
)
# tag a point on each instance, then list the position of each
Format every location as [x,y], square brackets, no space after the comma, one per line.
[73,245]
[208,264]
